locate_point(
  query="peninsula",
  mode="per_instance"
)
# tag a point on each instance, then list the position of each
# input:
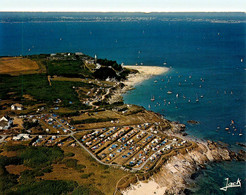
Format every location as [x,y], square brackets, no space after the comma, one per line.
[65,128]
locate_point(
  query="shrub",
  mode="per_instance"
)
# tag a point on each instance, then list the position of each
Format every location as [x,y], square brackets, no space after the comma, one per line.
[46,187]
[72,163]
[69,154]
[41,156]
[85,176]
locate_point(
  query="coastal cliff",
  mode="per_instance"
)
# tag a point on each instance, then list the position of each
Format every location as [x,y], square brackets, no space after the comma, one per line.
[175,174]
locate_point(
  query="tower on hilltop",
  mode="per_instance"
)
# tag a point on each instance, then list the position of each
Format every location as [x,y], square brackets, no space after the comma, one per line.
[95,59]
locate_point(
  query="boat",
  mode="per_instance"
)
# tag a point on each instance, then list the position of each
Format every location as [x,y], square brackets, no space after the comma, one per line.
[231,184]
[197,100]
[240,134]
[169,92]
[155,81]
[153,98]
[241,59]
[201,96]
[177,95]
[226,128]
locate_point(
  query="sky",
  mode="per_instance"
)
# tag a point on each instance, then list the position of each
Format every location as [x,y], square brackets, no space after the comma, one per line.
[125,5]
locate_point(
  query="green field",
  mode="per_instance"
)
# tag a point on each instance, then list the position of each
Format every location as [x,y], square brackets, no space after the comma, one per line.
[37,86]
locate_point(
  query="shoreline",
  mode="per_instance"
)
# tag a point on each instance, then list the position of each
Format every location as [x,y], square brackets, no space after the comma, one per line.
[174,176]
[144,73]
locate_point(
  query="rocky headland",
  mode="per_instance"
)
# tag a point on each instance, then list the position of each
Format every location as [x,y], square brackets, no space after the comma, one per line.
[174,176]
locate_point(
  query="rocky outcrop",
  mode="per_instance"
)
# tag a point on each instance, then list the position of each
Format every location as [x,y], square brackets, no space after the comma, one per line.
[175,174]
[193,122]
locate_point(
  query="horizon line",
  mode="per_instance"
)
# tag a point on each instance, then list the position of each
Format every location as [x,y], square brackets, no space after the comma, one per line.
[147,12]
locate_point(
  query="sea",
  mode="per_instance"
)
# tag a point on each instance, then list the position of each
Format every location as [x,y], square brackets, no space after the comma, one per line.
[206,54]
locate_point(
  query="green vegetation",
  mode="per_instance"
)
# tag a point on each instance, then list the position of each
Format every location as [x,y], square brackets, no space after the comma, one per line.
[46,187]
[85,176]
[111,63]
[28,124]
[104,72]
[73,163]
[14,147]
[41,156]
[81,190]
[12,87]
[91,120]
[7,180]
[68,114]
[69,154]
[68,68]
[39,159]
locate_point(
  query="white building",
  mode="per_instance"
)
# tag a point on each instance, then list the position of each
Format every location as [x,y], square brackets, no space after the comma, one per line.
[5,122]
[21,136]
[17,106]
[79,53]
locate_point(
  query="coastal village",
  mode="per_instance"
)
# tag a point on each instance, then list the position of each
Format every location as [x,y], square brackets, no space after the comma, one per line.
[75,104]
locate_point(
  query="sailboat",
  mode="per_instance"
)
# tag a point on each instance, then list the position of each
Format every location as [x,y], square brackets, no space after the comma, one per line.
[153,98]
[197,100]
[231,184]
[240,134]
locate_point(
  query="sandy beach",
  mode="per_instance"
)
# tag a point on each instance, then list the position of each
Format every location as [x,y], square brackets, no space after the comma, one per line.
[145,73]
[145,188]
[174,175]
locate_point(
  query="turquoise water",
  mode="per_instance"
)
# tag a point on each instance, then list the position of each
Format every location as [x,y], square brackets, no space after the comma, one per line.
[213,177]
[206,53]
